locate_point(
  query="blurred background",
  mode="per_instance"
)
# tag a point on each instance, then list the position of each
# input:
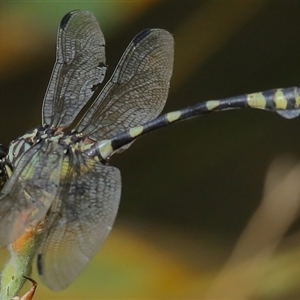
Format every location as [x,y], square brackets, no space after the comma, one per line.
[196,220]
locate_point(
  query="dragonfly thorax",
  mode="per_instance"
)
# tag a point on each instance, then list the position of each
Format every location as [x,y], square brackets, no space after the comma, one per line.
[44,134]
[20,145]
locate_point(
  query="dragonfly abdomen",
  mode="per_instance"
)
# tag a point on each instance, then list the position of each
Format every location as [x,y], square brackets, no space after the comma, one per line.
[285,102]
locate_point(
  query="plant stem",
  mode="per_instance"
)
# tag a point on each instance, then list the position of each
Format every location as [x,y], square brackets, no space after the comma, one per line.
[22,253]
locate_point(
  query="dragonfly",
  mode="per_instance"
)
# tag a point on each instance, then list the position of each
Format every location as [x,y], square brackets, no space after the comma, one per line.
[58,173]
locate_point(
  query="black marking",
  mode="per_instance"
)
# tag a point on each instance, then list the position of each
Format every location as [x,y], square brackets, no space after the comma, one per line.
[121,140]
[66,19]
[141,35]
[270,96]
[290,93]
[39,263]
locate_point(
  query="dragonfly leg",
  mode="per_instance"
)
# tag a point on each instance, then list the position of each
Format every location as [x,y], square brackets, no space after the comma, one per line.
[29,295]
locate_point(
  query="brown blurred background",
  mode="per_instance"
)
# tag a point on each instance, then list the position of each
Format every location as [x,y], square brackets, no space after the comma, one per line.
[188,190]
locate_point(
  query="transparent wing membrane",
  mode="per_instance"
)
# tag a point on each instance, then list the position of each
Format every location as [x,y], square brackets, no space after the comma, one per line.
[137,90]
[80,219]
[28,194]
[79,67]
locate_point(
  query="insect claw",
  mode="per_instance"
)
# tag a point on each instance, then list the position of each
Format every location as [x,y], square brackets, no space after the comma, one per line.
[29,295]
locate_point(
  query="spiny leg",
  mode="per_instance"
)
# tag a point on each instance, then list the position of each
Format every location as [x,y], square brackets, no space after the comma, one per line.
[29,295]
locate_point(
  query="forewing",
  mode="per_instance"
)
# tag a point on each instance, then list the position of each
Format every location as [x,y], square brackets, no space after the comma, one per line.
[137,90]
[28,194]
[79,67]
[80,219]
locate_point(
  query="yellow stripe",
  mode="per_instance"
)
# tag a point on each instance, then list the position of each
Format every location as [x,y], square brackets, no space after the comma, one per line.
[256,100]
[66,168]
[11,155]
[18,148]
[173,116]
[297,98]
[280,100]
[135,131]
[30,135]
[8,171]
[210,105]
[105,149]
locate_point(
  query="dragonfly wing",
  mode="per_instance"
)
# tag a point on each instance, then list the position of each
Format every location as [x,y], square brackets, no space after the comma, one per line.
[29,192]
[79,68]
[137,90]
[81,218]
